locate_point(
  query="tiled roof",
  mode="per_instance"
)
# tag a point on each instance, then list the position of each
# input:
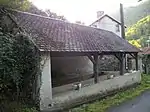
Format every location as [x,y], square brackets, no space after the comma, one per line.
[146,50]
[56,35]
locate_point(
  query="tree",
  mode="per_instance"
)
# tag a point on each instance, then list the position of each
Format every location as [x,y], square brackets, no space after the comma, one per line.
[139,33]
[19,65]
[33,9]
[135,43]
[80,22]
[134,13]
[54,15]
[25,5]
[15,4]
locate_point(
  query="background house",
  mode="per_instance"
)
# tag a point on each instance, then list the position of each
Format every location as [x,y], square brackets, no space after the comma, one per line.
[106,22]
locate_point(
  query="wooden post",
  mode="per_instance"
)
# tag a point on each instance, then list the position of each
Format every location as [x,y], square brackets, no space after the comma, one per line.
[122,64]
[136,61]
[95,68]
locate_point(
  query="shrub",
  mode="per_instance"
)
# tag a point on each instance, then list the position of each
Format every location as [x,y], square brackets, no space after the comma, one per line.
[19,65]
[7,106]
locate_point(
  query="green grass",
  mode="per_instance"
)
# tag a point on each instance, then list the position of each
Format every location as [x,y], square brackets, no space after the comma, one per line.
[104,104]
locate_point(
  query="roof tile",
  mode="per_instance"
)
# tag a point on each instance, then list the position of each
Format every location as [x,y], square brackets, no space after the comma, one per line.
[56,35]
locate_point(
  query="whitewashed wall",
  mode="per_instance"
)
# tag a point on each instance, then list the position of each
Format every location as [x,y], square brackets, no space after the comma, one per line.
[94,91]
[46,85]
[108,24]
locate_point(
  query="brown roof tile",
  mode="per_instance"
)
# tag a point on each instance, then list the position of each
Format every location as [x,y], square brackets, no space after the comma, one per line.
[56,35]
[146,50]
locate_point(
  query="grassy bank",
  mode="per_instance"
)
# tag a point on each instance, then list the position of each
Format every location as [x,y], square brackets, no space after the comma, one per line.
[104,104]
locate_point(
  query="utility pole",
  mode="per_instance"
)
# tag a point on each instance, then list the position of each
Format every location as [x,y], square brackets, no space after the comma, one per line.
[122,21]
[123,34]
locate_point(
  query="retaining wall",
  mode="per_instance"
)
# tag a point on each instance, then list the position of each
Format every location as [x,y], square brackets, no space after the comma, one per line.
[95,91]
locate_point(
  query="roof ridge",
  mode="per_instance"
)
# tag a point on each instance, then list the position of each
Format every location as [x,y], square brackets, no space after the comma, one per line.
[37,15]
[32,14]
[105,14]
[24,12]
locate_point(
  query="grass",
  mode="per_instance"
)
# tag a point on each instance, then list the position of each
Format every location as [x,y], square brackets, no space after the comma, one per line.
[104,104]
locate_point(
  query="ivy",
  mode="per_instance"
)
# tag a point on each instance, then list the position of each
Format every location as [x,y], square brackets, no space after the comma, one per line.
[19,65]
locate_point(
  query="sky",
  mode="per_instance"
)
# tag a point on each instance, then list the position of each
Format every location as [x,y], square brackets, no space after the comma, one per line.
[82,10]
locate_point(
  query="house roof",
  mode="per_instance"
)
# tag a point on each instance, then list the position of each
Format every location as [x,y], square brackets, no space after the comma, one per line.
[106,15]
[146,50]
[56,35]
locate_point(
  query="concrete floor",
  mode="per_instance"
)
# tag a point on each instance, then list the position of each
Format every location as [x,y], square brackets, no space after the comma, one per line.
[138,104]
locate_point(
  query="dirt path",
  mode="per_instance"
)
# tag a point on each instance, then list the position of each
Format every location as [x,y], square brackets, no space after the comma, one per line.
[138,104]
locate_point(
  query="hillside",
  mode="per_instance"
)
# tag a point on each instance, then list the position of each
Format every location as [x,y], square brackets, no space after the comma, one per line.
[139,33]
[133,14]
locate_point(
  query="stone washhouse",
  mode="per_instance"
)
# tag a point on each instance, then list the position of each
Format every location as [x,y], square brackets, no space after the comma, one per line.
[75,50]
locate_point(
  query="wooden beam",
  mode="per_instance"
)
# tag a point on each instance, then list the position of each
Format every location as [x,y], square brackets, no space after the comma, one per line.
[70,53]
[122,64]
[117,55]
[91,58]
[100,56]
[132,54]
[136,61]
[95,68]
[135,56]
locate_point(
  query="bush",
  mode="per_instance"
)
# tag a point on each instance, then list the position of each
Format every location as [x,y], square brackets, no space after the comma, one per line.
[19,65]
[7,106]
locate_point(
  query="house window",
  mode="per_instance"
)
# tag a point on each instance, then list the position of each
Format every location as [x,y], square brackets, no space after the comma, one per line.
[117,28]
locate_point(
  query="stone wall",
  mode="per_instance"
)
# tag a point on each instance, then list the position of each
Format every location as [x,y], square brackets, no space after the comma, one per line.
[108,63]
[92,92]
[45,82]
[84,83]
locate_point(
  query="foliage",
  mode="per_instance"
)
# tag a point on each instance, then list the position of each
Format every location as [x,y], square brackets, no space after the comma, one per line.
[25,5]
[139,33]
[135,43]
[16,4]
[134,13]
[47,12]
[80,22]
[13,106]
[146,62]
[104,104]
[19,65]
[54,15]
